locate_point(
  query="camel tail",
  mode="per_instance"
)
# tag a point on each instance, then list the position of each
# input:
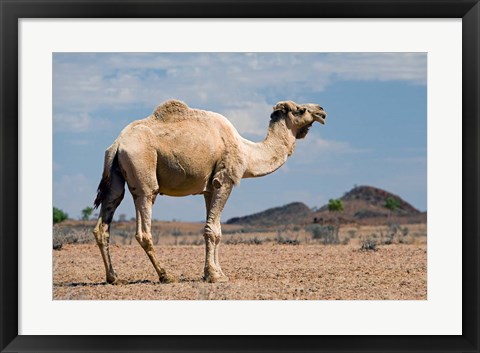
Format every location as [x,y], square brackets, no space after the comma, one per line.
[110,166]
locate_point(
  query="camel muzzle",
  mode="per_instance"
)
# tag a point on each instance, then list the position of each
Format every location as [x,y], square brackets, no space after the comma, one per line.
[320,117]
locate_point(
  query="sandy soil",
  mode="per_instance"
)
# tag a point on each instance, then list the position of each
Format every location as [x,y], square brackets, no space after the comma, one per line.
[267,271]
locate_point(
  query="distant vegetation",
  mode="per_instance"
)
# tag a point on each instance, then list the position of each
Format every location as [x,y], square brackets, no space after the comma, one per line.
[326,234]
[75,234]
[191,234]
[392,204]
[86,213]
[364,217]
[335,205]
[59,215]
[368,245]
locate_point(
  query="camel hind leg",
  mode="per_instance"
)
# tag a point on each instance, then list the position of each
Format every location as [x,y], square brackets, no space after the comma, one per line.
[113,197]
[143,206]
[139,165]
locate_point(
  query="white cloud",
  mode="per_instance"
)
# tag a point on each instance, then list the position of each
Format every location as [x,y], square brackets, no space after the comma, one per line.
[409,67]
[317,153]
[78,122]
[251,118]
[239,85]
[316,143]
[69,122]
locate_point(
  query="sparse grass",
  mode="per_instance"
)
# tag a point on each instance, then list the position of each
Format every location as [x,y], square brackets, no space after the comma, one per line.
[253,241]
[189,241]
[191,234]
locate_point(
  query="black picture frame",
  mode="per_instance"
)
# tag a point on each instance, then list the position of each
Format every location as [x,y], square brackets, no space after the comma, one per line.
[12,10]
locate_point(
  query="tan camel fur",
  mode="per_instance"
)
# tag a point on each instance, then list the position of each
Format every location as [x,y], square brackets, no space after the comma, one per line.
[179,151]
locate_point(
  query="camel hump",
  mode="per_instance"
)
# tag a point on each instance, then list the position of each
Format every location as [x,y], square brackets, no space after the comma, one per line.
[172,107]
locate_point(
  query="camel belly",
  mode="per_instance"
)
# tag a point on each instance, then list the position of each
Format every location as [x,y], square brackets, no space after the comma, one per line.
[185,163]
[177,177]
[184,189]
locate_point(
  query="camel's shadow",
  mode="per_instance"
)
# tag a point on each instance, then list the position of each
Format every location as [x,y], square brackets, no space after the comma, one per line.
[125,283]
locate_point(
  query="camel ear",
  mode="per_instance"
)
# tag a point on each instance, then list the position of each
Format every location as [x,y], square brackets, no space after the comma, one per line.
[285,107]
[279,107]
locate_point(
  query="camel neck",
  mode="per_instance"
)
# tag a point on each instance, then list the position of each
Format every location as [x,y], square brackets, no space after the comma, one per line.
[267,156]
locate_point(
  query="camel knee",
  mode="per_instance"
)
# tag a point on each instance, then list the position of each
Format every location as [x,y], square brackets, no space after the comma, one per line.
[97,236]
[140,238]
[96,233]
[208,235]
[145,241]
[213,232]
[211,237]
[100,232]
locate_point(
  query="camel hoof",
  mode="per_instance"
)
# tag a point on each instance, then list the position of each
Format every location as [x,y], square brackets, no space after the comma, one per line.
[118,282]
[216,278]
[167,278]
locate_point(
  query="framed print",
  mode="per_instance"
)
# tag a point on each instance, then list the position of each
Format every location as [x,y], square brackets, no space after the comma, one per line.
[343,265]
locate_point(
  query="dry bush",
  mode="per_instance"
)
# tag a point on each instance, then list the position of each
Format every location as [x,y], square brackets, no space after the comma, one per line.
[369,245]
[189,241]
[286,239]
[240,240]
[71,235]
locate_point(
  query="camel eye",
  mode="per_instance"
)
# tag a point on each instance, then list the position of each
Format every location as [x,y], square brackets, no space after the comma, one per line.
[300,111]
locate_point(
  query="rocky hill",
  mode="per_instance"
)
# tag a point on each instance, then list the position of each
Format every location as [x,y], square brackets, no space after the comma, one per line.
[362,205]
[287,214]
[366,205]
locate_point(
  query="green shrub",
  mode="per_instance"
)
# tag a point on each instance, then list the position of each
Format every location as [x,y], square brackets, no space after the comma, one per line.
[86,213]
[392,204]
[59,215]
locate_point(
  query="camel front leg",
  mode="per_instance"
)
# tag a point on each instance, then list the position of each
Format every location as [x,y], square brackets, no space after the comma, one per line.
[213,232]
[208,201]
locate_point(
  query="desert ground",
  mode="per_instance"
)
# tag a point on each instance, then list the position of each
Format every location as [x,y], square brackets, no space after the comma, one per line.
[367,263]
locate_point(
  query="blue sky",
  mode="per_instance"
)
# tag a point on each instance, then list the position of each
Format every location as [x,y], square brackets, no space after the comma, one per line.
[376,131]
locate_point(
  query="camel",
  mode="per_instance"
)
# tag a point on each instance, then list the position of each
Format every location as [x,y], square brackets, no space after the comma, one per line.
[180,151]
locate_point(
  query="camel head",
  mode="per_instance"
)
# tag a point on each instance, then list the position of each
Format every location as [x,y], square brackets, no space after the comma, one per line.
[299,117]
